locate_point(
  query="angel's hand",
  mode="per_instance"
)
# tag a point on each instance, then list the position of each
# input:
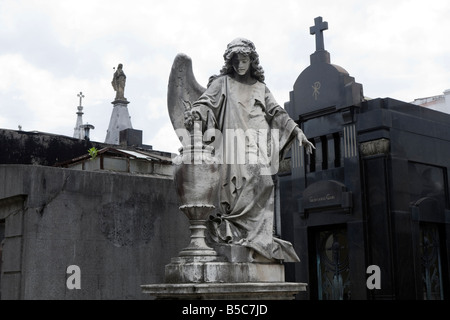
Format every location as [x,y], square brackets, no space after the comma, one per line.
[188,120]
[190,116]
[305,142]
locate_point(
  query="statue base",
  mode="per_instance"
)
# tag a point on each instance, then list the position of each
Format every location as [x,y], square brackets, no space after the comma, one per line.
[123,101]
[120,120]
[196,270]
[225,291]
[235,273]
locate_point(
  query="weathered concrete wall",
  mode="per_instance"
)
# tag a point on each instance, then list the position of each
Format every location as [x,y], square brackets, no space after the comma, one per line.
[120,229]
[21,147]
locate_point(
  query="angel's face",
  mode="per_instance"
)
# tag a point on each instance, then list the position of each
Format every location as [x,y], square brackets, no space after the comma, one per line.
[241,64]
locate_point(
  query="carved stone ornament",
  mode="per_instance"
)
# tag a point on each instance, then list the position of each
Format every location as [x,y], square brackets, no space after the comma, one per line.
[371,148]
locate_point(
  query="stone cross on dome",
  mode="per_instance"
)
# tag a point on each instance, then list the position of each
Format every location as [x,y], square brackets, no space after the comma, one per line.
[81,96]
[323,87]
[78,132]
[317,29]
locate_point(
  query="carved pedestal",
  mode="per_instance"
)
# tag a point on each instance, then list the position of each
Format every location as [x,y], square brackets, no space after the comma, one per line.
[222,272]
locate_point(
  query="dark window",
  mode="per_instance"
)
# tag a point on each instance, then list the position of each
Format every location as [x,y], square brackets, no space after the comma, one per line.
[428,181]
[333,272]
[430,255]
[327,154]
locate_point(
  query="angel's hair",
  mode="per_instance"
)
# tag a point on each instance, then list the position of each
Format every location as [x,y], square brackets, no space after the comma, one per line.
[245,47]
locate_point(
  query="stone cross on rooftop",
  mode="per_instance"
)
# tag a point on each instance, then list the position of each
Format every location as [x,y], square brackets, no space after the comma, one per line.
[81,96]
[319,26]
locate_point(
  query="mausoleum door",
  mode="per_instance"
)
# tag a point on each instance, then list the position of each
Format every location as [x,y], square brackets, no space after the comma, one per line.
[431,256]
[431,261]
[331,264]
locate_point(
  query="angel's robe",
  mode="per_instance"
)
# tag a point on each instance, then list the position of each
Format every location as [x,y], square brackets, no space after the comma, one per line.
[255,132]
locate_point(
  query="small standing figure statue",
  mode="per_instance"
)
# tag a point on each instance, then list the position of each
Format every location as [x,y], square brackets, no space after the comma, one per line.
[118,83]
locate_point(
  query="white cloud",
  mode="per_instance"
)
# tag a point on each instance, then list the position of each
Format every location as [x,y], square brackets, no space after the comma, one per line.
[36,88]
[53,49]
[165,139]
[41,101]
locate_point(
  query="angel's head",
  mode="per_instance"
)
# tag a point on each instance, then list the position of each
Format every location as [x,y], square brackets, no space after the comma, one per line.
[241,49]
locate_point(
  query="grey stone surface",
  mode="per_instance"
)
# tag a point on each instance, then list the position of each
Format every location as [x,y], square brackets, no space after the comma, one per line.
[14,223]
[184,271]
[120,120]
[9,207]
[11,286]
[226,291]
[115,227]
[12,254]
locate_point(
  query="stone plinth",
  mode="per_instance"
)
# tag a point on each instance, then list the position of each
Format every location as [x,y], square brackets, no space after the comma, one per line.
[235,273]
[120,120]
[194,270]
[225,291]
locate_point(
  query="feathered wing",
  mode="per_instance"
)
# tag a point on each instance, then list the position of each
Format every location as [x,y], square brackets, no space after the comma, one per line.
[183,89]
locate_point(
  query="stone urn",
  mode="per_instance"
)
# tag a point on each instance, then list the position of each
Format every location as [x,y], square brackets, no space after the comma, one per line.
[196,176]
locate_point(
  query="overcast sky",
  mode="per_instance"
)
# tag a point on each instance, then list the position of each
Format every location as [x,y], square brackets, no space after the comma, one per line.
[50,50]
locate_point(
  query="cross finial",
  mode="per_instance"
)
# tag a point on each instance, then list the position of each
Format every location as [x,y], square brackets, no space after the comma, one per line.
[81,96]
[319,26]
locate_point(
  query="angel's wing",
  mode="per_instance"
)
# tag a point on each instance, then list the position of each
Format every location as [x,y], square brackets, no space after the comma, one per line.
[182,88]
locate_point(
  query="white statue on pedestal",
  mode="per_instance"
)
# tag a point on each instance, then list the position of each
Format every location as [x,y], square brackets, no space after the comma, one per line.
[118,83]
[250,133]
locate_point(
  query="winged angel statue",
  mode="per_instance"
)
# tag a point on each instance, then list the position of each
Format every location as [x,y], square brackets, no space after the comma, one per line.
[251,132]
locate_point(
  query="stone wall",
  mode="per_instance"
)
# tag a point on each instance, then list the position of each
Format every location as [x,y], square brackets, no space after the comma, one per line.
[21,147]
[120,229]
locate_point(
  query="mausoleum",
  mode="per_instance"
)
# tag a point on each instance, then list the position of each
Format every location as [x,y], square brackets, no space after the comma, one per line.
[374,192]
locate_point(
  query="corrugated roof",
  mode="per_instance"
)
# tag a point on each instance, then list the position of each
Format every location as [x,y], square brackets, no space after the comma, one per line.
[134,154]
